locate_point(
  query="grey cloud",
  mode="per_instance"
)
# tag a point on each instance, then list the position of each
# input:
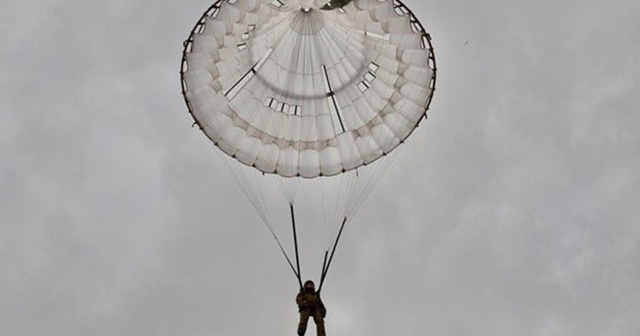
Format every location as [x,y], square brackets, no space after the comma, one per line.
[511,211]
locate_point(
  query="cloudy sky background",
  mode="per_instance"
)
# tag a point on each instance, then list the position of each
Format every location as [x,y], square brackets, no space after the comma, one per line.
[512,211]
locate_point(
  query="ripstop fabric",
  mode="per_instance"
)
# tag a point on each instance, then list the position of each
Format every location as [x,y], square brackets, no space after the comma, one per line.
[292,89]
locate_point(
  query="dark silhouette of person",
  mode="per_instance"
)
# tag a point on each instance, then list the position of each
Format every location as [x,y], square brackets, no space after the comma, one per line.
[310,304]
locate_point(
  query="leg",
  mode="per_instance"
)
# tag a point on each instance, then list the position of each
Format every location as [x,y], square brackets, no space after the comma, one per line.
[317,318]
[302,325]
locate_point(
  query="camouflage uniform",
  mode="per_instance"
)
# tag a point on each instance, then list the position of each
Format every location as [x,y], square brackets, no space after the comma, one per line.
[309,304]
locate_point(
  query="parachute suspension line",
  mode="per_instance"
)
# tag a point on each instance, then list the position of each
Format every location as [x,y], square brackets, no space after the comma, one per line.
[240,175]
[314,214]
[325,219]
[286,256]
[327,263]
[288,187]
[337,207]
[324,264]
[370,176]
[295,244]
[243,181]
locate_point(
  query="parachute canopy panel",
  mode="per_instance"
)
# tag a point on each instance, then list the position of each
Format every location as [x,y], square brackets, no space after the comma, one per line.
[307,87]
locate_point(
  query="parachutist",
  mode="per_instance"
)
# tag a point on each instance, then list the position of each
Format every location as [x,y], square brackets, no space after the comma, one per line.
[310,304]
[272,116]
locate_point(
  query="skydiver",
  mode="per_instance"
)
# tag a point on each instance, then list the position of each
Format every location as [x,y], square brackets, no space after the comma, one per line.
[310,304]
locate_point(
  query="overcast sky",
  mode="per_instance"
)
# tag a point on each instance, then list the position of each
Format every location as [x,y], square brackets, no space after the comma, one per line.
[512,211]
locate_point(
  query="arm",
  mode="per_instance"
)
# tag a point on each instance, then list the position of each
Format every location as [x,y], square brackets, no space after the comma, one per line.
[301,300]
[323,309]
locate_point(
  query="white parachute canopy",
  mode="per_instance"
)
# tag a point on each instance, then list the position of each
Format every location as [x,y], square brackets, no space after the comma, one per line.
[298,91]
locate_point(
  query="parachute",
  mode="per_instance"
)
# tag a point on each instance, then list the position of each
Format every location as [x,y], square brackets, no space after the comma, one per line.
[308,102]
